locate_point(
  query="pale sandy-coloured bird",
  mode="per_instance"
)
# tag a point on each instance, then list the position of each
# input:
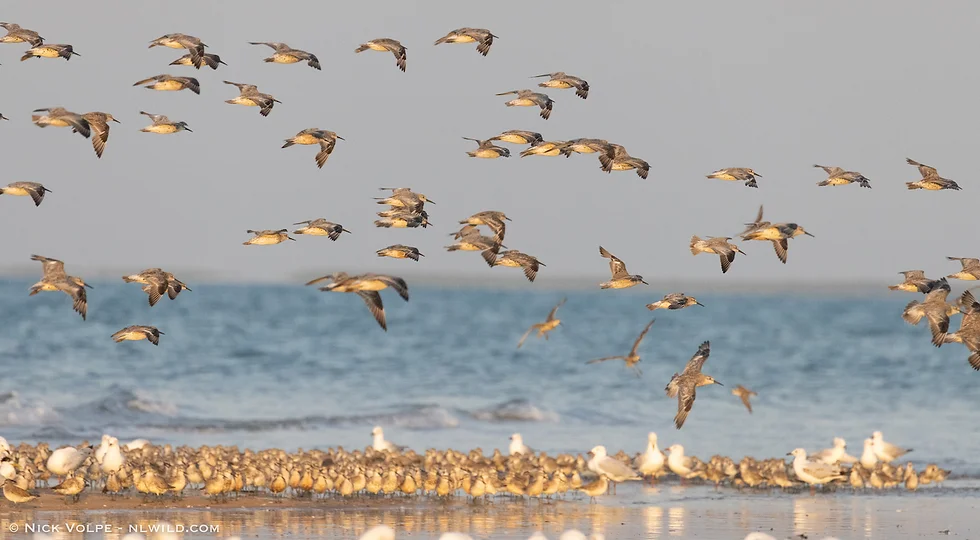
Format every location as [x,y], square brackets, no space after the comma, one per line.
[386,44]
[542,328]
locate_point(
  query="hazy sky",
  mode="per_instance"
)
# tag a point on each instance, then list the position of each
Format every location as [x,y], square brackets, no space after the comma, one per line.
[690,87]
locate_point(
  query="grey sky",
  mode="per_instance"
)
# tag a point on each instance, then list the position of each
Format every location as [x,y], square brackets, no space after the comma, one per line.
[690,87]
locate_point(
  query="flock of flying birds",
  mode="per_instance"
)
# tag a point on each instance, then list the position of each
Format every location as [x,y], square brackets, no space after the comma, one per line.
[407,208]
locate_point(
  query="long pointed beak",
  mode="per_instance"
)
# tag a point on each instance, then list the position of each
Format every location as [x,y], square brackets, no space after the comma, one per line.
[808,234]
[542,75]
[742,252]
[429,201]
[116,121]
[341,138]
[188,129]
[89,286]
[718,383]
[161,333]
[644,282]
[699,303]
[789,453]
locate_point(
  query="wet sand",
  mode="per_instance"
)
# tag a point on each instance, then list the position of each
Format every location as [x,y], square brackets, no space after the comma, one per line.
[637,511]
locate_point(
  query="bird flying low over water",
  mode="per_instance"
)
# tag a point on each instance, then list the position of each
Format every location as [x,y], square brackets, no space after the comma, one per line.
[514,259]
[137,333]
[915,281]
[633,358]
[481,36]
[284,54]
[469,239]
[935,309]
[931,181]
[839,177]
[719,245]
[549,324]
[621,278]
[674,301]
[560,79]
[366,286]
[530,98]
[33,190]
[54,278]
[157,282]
[777,233]
[970,271]
[684,386]
[386,44]
[50,50]
[737,174]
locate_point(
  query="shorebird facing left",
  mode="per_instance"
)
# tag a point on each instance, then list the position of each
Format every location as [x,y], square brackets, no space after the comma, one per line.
[482,36]
[839,177]
[633,358]
[935,309]
[33,190]
[684,386]
[719,245]
[366,286]
[970,271]
[530,98]
[560,79]
[137,333]
[744,394]
[386,44]
[777,233]
[737,174]
[267,237]
[549,324]
[674,301]
[621,278]
[284,54]
[250,96]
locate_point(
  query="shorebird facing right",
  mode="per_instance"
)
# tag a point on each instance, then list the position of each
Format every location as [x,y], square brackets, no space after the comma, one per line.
[137,333]
[284,54]
[530,98]
[777,233]
[60,117]
[50,50]
[366,286]
[970,271]
[211,60]
[170,83]
[267,237]
[469,239]
[321,227]
[514,259]
[737,174]
[969,332]
[674,301]
[33,190]
[935,309]
[684,386]
[544,148]
[250,96]
[559,79]
[99,123]
[154,281]
[195,47]
[326,139]
[16,34]
[931,180]
[915,281]
[549,324]
[470,35]
[495,220]
[631,359]
[621,278]
[487,150]
[744,394]
[617,159]
[386,44]
[518,136]
[400,251]
[586,146]
[839,177]
[163,125]
[718,245]
[54,278]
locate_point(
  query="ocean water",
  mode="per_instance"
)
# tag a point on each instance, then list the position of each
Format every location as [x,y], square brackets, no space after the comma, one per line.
[287,366]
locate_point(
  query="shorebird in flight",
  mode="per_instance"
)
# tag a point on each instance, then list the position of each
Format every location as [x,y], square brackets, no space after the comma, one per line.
[684,386]
[633,358]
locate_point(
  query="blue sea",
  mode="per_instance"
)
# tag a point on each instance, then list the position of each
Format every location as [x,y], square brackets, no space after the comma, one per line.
[287,366]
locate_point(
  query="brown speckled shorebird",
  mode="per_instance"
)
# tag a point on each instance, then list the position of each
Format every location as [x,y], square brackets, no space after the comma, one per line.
[969,332]
[50,50]
[250,96]
[400,251]
[674,301]
[560,79]
[54,278]
[16,34]
[99,124]
[544,148]
[515,259]
[284,54]
[496,222]
[915,281]
[617,159]
[718,245]
[267,237]
[163,125]
[170,83]
[404,198]
[59,117]
[366,286]
[138,332]
[33,190]
[402,219]
[585,146]
[195,47]
[530,98]
[549,324]
[14,493]
[744,394]
[621,278]
[155,283]
[470,239]
[386,44]
[684,386]
[633,358]
[518,136]
[487,150]
[326,139]
[321,227]
[935,309]
[931,180]
[839,177]
[482,36]
[737,174]
[777,233]
[970,271]
[211,60]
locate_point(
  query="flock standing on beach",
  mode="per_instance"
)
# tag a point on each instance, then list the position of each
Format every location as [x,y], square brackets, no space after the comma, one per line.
[408,208]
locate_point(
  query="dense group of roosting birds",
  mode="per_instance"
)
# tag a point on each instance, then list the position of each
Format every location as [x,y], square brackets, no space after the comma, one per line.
[384,468]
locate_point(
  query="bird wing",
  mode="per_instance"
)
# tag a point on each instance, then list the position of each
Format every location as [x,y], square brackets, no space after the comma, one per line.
[101,129]
[397,283]
[925,170]
[744,396]
[616,265]
[373,301]
[639,339]
[685,401]
[781,246]
[529,330]
[613,467]
[50,267]
[271,44]
[551,316]
[820,470]
[597,360]
[697,361]
[938,324]
[913,274]
[77,292]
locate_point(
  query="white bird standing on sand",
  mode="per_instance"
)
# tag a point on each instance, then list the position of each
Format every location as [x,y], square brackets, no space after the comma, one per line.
[837,454]
[814,472]
[886,451]
[379,532]
[101,450]
[868,457]
[651,461]
[63,461]
[380,443]
[113,458]
[613,469]
[680,464]
[517,445]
